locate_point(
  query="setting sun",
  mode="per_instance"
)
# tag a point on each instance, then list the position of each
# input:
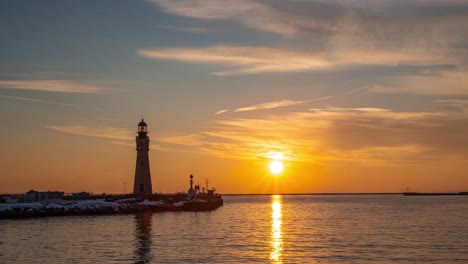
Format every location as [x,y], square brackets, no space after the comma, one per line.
[276,167]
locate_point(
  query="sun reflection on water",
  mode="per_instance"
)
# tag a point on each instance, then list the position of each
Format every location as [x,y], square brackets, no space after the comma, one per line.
[276,234]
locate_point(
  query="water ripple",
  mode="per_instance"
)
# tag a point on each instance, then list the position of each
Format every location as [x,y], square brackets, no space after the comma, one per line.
[276,229]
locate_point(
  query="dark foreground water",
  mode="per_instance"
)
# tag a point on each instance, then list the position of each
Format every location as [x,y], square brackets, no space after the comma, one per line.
[255,229]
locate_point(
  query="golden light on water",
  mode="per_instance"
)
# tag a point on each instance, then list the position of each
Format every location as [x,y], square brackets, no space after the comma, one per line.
[276,234]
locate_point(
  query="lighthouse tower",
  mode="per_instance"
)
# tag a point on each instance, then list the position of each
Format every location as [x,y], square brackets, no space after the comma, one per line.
[142,184]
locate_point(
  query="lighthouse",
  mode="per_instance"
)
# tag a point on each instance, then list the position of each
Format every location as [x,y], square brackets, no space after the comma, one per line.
[142,184]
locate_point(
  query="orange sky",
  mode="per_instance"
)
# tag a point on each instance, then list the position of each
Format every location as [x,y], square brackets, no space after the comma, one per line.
[352,96]
[78,163]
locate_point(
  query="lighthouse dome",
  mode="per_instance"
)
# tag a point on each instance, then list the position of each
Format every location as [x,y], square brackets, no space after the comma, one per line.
[142,123]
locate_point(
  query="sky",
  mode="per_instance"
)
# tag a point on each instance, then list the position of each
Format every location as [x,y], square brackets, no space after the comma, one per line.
[351,96]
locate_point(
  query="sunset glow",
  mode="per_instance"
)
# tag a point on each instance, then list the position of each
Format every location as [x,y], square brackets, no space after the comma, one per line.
[244,131]
[256,96]
[276,167]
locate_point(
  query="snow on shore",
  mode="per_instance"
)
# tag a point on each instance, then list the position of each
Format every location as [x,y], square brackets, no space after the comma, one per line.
[99,206]
[85,205]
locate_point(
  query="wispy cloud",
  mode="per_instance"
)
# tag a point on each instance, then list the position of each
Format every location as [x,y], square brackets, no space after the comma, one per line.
[49,102]
[188,29]
[460,104]
[221,111]
[250,13]
[338,35]
[271,105]
[130,144]
[363,88]
[111,119]
[47,72]
[372,136]
[102,132]
[249,60]
[63,86]
[326,21]
[445,83]
[277,104]
[257,59]
[190,140]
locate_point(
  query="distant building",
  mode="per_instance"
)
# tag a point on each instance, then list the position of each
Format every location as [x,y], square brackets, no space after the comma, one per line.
[35,196]
[142,184]
[81,196]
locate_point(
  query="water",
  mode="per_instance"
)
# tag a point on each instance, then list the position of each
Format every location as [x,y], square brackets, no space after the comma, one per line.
[260,229]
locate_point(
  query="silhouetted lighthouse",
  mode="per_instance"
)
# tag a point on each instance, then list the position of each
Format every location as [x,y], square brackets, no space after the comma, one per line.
[142,184]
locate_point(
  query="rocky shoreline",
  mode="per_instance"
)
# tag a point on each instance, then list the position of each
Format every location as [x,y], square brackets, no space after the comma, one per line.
[105,207]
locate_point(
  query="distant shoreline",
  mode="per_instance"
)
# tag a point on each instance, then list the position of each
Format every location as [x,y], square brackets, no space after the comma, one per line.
[393,193]
[299,194]
[253,194]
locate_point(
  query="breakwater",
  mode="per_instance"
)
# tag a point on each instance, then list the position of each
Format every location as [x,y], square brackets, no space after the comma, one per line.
[112,205]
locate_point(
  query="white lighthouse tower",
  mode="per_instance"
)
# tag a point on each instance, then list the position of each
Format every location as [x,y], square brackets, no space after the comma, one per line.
[142,184]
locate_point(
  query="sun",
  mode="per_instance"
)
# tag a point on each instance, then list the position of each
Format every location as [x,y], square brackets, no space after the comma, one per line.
[276,167]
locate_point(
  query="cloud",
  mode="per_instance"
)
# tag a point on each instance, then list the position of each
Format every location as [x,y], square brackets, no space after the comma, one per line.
[191,140]
[152,146]
[257,59]
[188,29]
[443,83]
[454,104]
[49,102]
[365,87]
[249,60]
[373,136]
[102,132]
[382,23]
[221,112]
[249,13]
[271,105]
[277,104]
[119,120]
[124,137]
[338,35]
[457,103]
[63,86]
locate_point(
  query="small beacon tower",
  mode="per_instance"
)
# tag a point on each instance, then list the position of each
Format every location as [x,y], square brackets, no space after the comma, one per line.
[142,184]
[191,193]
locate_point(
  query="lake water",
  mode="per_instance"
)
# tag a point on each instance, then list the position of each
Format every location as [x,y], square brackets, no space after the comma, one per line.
[255,229]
